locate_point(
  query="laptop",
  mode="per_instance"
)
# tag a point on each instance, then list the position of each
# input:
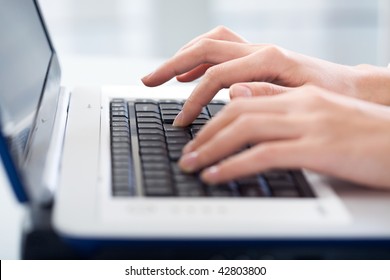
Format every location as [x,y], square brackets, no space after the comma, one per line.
[105,160]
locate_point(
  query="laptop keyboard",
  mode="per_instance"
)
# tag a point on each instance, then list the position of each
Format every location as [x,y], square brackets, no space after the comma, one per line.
[145,127]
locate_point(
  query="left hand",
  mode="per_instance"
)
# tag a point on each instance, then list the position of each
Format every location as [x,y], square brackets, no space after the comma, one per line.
[306,128]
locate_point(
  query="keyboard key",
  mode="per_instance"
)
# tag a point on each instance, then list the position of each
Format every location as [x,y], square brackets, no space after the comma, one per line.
[150,125]
[150,131]
[147,107]
[214,109]
[149,120]
[148,115]
[151,137]
[154,144]
[168,118]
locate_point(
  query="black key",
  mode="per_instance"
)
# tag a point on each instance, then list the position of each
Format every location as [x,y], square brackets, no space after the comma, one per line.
[168,118]
[175,134]
[249,187]
[151,137]
[120,151]
[152,151]
[120,133]
[156,174]
[203,116]
[158,187]
[147,107]
[199,121]
[120,128]
[149,120]
[170,106]
[197,126]
[214,108]
[120,113]
[175,147]
[120,124]
[150,131]
[280,175]
[120,164]
[155,166]
[184,177]
[223,190]
[148,115]
[175,155]
[150,125]
[205,112]
[120,158]
[154,158]
[177,140]
[120,139]
[281,184]
[118,108]
[155,144]
[190,189]
[169,112]
[119,119]
[120,145]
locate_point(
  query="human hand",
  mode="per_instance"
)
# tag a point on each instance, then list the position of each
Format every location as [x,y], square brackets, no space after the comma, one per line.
[307,128]
[224,58]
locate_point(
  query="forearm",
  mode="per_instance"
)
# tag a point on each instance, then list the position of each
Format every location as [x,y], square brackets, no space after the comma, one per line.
[373,84]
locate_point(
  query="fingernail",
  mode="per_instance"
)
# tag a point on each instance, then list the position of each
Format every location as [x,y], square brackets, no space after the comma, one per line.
[179,119]
[188,161]
[147,76]
[211,174]
[188,148]
[241,91]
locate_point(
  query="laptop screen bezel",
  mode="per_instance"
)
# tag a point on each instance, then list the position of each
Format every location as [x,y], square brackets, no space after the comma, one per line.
[26,177]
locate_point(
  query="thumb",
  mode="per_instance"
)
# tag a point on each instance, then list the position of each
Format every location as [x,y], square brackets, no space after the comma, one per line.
[255,89]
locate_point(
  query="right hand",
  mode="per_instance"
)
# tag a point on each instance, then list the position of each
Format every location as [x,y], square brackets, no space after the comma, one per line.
[225,59]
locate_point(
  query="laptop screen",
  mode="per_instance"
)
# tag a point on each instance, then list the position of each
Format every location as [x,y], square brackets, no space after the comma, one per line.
[25,54]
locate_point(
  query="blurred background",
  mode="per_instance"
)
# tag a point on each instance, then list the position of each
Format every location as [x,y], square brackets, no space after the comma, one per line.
[348,31]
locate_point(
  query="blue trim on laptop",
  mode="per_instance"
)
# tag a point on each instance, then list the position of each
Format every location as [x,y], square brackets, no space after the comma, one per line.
[12,171]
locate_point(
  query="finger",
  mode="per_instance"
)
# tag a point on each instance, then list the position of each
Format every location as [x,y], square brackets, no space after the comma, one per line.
[265,156]
[254,67]
[194,73]
[247,129]
[207,51]
[256,89]
[276,105]
[218,33]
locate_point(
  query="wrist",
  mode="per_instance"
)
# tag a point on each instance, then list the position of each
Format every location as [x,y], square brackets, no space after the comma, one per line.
[373,84]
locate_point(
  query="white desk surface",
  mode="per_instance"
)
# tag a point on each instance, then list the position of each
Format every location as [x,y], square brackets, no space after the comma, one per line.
[75,71]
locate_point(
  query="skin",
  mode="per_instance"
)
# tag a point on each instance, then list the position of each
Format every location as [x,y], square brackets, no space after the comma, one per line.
[307,128]
[320,120]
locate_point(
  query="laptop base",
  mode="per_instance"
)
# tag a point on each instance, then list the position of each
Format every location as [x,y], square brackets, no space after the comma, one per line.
[41,242]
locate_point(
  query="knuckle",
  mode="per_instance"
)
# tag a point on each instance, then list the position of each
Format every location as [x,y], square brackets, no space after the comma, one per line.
[212,74]
[221,29]
[312,98]
[273,51]
[203,47]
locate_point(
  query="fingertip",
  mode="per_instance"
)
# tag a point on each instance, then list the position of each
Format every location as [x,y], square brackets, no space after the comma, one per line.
[146,78]
[211,175]
[179,120]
